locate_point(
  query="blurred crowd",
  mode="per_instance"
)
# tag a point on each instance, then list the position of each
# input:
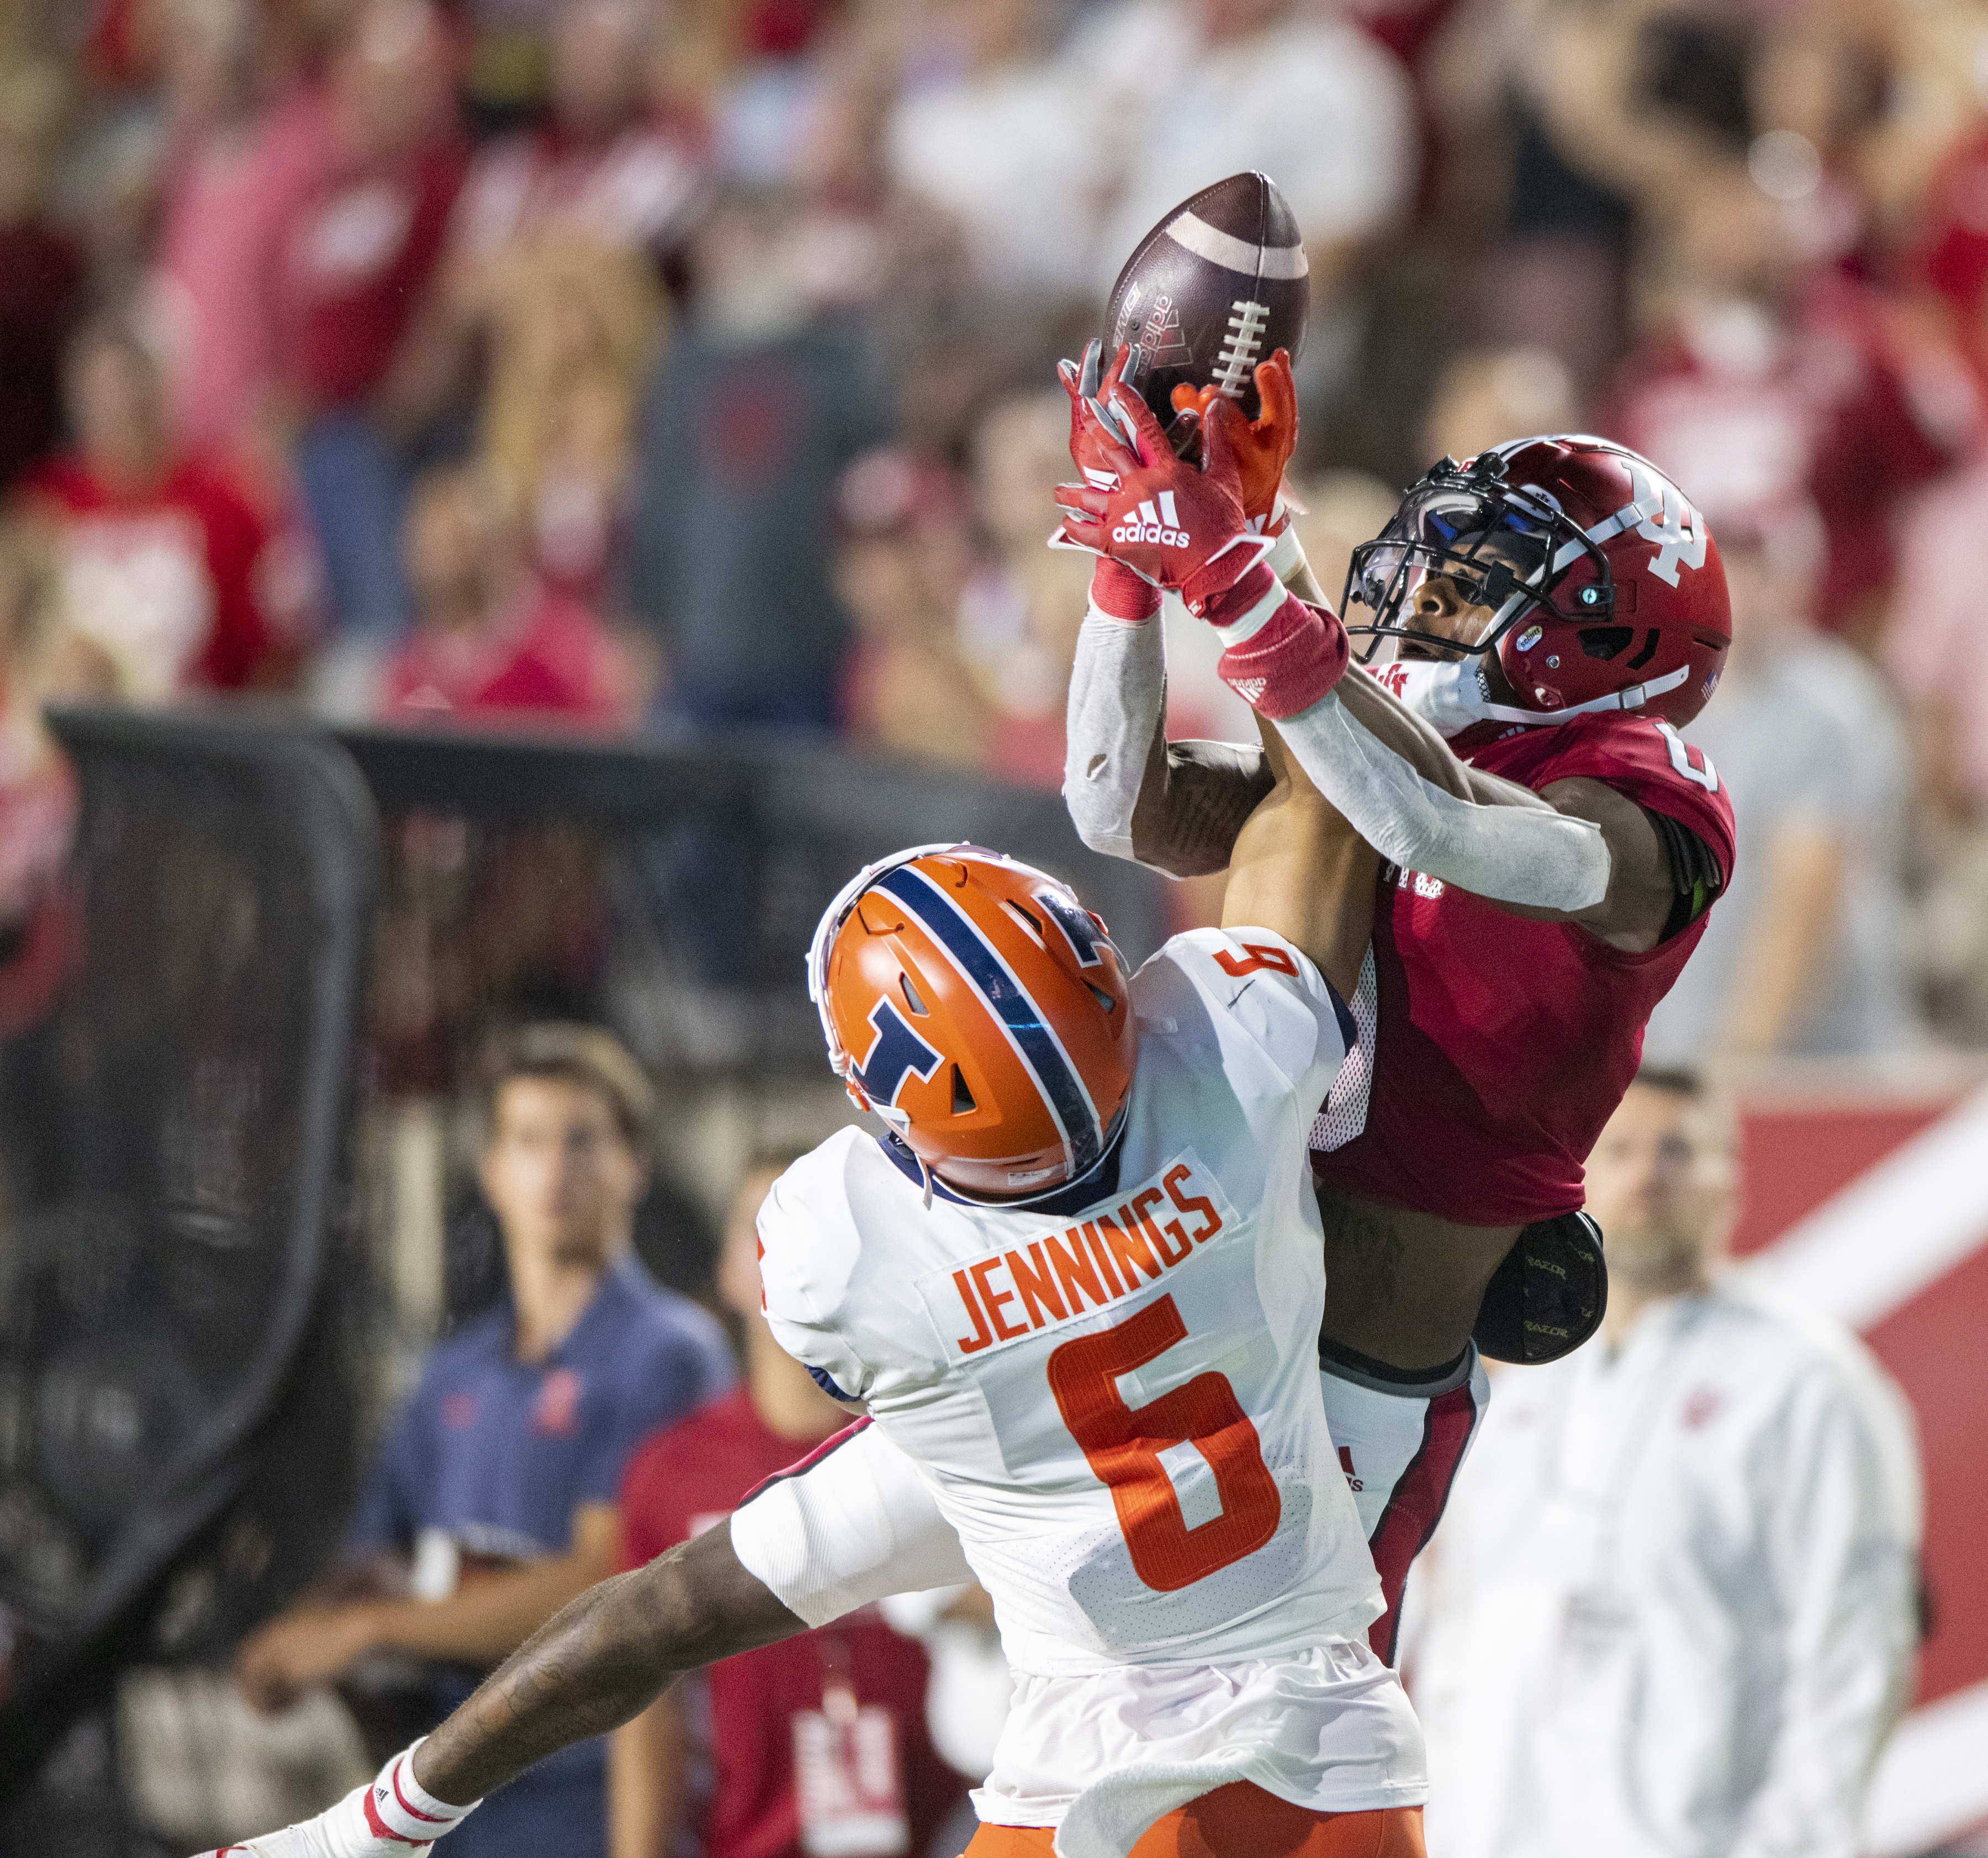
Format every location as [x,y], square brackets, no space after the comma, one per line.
[655,365]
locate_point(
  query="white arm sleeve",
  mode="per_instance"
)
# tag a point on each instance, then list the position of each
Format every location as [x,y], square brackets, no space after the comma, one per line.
[1117,696]
[858,1525]
[1512,855]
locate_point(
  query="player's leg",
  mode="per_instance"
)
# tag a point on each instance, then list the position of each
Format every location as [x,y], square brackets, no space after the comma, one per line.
[1401,1438]
[1238,1821]
[1412,1300]
[1242,1821]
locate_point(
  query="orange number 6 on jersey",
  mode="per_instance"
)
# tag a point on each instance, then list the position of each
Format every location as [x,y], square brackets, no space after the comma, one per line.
[1122,1444]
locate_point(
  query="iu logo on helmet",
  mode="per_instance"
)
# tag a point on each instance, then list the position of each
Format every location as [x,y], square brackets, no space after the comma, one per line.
[896,1053]
[1675,543]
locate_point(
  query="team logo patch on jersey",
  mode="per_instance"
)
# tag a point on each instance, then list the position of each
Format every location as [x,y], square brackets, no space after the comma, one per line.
[1062,1275]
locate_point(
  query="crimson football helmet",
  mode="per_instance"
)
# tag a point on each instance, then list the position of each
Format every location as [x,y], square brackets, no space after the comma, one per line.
[1605,584]
[978,1008]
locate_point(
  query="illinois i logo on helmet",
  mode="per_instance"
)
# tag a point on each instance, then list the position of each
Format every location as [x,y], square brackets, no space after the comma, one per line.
[992,1012]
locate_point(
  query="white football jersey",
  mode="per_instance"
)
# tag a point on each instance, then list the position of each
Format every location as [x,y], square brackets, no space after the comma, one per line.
[1113,1391]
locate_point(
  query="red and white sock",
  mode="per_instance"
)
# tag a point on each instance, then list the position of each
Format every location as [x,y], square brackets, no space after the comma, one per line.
[1401,1444]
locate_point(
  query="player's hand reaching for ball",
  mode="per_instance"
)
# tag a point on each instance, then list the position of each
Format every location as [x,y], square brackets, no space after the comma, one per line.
[1264,445]
[1175,524]
[1097,435]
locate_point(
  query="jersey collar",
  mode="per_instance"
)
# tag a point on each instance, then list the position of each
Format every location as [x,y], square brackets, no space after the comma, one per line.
[1097,1182]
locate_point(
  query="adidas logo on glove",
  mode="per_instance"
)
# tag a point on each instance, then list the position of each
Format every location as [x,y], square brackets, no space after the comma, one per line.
[1160,525]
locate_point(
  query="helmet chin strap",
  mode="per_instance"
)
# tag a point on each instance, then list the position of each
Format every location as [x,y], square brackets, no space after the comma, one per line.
[1451,696]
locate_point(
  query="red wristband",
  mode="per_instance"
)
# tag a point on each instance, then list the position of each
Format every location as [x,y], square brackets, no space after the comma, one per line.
[1119,593]
[1290,661]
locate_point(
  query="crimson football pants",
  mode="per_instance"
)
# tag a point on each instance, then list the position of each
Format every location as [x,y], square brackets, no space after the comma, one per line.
[1238,1821]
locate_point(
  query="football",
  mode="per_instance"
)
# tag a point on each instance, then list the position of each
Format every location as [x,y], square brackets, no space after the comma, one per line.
[1216,288]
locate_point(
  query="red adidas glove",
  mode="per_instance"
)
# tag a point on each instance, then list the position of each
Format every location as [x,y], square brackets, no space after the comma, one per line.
[1180,527]
[1264,445]
[1096,439]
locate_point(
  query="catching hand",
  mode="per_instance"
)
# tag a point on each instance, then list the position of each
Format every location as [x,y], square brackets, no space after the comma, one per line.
[1264,445]
[1178,526]
[1097,435]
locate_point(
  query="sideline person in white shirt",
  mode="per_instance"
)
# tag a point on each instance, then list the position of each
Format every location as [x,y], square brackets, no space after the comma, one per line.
[1672,1608]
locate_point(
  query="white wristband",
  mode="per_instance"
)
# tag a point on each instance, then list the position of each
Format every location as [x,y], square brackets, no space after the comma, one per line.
[1285,557]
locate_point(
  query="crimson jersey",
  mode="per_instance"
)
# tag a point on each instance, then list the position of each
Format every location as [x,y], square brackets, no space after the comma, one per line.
[1492,1049]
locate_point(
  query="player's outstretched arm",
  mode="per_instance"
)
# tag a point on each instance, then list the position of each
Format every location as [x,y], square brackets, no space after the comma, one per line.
[1131,793]
[1175,806]
[1636,888]
[597,1662]
[600,1660]
[1580,853]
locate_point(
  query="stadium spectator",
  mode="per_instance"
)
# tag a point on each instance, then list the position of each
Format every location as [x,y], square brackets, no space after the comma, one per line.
[1807,951]
[355,262]
[1006,139]
[1188,90]
[1020,610]
[1672,1606]
[246,151]
[602,169]
[572,341]
[42,270]
[902,571]
[785,1724]
[1766,378]
[1929,651]
[166,566]
[754,413]
[41,658]
[490,638]
[498,1485]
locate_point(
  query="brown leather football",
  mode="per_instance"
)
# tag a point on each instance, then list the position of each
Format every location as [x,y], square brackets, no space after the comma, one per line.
[1211,292]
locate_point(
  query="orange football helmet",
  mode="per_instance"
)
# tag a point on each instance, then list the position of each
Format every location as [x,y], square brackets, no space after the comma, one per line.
[978,1008]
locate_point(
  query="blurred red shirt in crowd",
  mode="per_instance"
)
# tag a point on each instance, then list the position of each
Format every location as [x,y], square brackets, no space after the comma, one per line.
[1953,242]
[166,565]
[357,255]
[551,658]
[1840,401]
[601,167]
[489,637]
[688,1479]
[233,191]
[42,275]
